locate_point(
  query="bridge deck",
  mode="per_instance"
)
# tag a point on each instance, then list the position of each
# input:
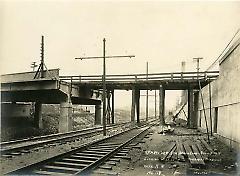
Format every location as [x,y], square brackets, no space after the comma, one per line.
[177,80]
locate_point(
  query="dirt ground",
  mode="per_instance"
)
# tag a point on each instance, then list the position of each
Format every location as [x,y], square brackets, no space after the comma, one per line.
[146,160]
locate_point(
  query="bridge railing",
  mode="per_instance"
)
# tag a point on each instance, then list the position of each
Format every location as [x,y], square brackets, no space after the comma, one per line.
[143,77]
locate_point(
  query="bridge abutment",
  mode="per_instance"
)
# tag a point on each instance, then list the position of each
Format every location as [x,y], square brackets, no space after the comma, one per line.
[65,119]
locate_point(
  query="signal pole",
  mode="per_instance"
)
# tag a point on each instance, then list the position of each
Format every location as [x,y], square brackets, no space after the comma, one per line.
[104,78]
[33,65]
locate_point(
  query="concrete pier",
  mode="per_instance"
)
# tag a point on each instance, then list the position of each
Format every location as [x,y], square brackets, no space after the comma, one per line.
[65,119]
[97,115]
[38,115]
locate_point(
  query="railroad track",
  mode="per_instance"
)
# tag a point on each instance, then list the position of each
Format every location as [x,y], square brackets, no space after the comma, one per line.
[18,147]
[103,154]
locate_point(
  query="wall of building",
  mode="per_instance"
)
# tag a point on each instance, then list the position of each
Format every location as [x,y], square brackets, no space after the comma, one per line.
[225,95]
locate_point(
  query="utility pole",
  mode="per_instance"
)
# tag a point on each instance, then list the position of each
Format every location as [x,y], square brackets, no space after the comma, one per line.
[147,94]
[42,57]
[206,123]
[104,78]
[33,65]
[41,65]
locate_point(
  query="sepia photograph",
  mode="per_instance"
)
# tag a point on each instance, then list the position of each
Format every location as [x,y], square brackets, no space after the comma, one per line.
[124,88]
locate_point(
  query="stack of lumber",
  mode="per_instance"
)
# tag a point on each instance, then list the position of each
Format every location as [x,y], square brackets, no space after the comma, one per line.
[195,151]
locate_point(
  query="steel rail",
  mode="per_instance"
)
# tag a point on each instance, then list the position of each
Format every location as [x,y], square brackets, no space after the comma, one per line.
[72,136]
[87,170]
[5,143]
[29,169]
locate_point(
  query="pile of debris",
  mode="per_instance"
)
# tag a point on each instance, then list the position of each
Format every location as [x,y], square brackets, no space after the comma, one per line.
[166,129]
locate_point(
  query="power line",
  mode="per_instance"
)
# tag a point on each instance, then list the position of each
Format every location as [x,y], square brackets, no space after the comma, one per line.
[104,78]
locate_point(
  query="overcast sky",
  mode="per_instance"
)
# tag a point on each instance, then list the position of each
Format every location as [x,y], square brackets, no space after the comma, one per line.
[162,33]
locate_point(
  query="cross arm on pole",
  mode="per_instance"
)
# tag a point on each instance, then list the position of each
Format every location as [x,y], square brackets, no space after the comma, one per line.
[99,57]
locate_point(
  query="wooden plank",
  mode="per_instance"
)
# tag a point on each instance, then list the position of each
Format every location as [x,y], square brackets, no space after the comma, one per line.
[105,167]
[197,155]
[190,155]
[111,163]
[181,152]
[201,151]
[169,151]
[114,159]
[100,172]
[207,146]
[174,154]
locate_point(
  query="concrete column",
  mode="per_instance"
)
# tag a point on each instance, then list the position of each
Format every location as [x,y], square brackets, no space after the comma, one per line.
[133,106]
[190,109]
[97,115]
[137,101]
[112,107]
[38,115]
[65,119]
[195,115]
[161,105]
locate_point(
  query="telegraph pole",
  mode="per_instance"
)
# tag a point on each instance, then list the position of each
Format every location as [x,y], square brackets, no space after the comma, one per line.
[104,89]
[42,58]
[104,78]
[41,65]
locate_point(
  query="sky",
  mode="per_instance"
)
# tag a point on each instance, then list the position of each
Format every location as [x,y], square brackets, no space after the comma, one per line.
[159,32]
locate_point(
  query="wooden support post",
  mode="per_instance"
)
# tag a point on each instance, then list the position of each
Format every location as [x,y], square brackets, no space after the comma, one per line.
[162,105]
[133,105]
[112,107]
